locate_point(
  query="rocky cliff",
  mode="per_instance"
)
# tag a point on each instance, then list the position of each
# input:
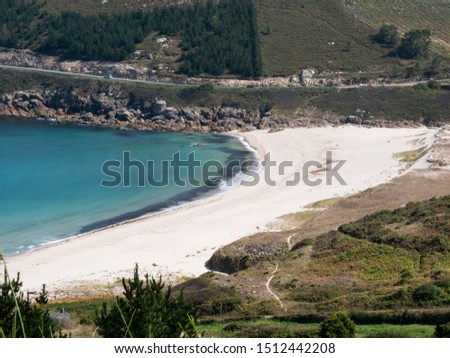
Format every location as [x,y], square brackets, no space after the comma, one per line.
[115,109]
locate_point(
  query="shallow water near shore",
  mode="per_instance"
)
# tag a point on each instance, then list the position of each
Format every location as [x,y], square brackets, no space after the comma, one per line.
[51,177]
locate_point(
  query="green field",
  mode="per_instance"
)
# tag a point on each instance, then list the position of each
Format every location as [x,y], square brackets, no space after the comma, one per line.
[273,328]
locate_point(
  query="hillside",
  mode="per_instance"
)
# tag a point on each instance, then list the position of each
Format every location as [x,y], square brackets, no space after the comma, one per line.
[332,37]
[317,34]
[382,264]
[406,14]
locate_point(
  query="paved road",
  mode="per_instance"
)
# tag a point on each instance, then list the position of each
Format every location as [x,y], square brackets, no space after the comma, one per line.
[128,80]
[84,75]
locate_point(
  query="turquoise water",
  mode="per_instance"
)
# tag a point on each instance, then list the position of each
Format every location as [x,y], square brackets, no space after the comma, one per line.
[51,177]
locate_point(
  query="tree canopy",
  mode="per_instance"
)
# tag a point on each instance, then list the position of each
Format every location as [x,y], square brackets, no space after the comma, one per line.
[337,325]
[388,36]
[147,310]
[20,317]
[216,37]
[415,44]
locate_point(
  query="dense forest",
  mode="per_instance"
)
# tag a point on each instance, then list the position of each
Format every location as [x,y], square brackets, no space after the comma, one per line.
[217,37]
[18,22]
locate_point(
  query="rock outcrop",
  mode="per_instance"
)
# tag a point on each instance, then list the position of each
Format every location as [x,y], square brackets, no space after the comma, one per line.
[246,252]
[440,154]
[114,108]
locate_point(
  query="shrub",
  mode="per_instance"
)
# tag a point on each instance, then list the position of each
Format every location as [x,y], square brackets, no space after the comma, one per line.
[415,44]
[435,67]
[338,325]
[444,284]
[147,311]
[219,305]
[233,327]
[429,293]
[442,331]
[19,317]
[388,36]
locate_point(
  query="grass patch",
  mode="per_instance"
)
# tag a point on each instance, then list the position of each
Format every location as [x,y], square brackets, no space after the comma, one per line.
[274,328]
[292,221]
[411,156]
[395,331]
[393,104]
[82,314]
[324,204]
[259,329]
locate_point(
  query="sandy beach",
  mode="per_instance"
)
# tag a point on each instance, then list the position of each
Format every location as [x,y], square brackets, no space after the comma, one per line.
[177,243]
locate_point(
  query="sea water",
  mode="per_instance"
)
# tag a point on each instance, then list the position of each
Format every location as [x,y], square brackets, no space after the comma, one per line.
[51,177]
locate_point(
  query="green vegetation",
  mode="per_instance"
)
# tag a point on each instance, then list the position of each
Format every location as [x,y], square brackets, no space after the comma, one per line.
[424,104]
[19,316]
[415,44]
[389,267]
[422,226]
[388,260]
[411,156]
[224,37]
[147,311]
[442,331]
[316,34]
[217,38]
[274,328]
[393,104]
[394,331]
[338,325]
[406,15]
[89,7]
[388,36]
[18,22]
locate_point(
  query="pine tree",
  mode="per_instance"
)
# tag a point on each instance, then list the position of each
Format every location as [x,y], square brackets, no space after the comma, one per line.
[19,317]
[147,311]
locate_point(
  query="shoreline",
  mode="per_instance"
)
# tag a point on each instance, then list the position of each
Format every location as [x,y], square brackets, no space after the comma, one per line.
[178,242]
[197,199]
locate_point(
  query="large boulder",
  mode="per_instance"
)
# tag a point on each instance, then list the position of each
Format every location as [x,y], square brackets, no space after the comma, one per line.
[159,107]
[124,115]
[306,77]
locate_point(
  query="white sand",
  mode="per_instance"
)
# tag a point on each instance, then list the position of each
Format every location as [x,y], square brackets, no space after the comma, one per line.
[179,242]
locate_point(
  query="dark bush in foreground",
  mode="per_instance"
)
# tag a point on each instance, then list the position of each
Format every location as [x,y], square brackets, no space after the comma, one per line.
[20,317]
[338,325]
[147,311]
[442,331]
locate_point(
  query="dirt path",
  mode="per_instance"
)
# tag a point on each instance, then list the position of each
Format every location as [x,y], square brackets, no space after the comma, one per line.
[268,286]
[288,241]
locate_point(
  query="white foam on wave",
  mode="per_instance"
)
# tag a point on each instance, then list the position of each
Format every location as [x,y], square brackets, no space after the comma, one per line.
[241,176]
[222,189]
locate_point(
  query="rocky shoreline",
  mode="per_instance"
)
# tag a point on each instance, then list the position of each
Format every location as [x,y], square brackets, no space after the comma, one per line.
[112,108]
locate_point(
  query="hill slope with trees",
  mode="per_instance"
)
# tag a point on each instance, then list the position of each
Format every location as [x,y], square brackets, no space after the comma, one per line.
[216,38]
